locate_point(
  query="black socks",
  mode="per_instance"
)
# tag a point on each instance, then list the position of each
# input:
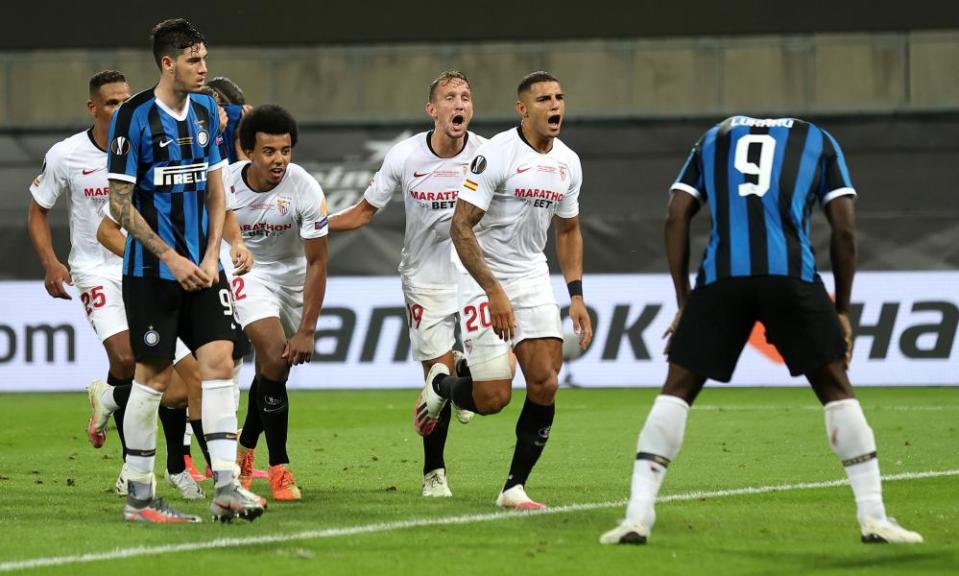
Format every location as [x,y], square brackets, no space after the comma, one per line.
[274,409]
[532,432]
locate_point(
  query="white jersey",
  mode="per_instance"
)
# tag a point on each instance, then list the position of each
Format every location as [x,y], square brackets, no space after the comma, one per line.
[430,185]
[272,223]
[77,167]
[520,189]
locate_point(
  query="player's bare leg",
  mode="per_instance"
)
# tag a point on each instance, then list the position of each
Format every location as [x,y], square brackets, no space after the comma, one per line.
[852,440]
[659,442]
[540,359]
[272,406]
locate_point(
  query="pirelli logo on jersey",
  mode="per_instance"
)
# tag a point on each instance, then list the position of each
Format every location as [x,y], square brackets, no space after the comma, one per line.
[174,175]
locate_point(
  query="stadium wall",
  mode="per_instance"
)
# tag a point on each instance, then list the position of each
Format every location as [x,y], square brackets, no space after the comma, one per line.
[878,72]
[906,325]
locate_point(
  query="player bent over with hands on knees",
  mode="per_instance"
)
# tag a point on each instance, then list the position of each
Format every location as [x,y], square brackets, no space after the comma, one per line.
[519,182]
[427,169]
[759,266]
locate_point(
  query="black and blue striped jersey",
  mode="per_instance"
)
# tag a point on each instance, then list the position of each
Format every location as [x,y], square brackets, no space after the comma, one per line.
[167,156]
[761,178]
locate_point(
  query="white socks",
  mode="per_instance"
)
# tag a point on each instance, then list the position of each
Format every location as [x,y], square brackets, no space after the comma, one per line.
[852,440]
[219,427]
[659,442]
[140,430]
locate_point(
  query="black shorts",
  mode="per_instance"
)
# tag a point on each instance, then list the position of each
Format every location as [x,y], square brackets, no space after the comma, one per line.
[799,317]
[160,311]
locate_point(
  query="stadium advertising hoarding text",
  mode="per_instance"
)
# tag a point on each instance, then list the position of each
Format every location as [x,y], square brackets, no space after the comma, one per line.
[906,325]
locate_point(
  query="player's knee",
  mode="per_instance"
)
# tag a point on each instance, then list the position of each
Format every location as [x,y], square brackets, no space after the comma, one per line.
[542,389]
[175,397]
[217,368]
[272,364]
[122,364]
[491,399]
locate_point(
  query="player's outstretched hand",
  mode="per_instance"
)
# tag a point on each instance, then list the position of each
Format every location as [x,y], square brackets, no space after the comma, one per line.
[55,278]
[668,334]
[188,274]
[582,323]
[242,258]
[501,314]
[299,348]
[847,336]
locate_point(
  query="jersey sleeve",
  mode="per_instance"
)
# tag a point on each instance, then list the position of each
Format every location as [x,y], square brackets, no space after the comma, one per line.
[104,213]
[312,208]
[386,180]
[52,180]
[230,176]
[487,172]
[835,181]
[124,155]
[569,205]
[690,179]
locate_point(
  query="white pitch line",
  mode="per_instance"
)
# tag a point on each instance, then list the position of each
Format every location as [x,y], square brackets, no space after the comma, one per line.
[817,408]
[123,553]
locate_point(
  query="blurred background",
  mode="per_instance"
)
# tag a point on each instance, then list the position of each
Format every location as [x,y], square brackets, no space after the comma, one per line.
[643,81]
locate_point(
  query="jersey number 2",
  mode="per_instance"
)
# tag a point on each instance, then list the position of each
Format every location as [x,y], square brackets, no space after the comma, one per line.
[767,153]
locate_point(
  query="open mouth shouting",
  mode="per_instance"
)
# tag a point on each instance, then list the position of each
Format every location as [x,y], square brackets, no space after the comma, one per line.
[554,121]
[458,121]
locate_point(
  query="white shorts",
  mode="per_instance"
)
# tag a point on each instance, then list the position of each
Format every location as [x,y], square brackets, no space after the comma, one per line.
[534,308]
[431,316]
[102,299]
[256,298]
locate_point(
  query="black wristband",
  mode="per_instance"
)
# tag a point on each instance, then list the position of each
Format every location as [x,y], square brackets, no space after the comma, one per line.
[575,288]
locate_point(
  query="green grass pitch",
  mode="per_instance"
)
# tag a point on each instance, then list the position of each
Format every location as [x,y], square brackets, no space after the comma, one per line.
[358,462]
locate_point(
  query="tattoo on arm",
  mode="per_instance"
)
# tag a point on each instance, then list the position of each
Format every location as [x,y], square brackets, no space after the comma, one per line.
[123,211]
[465,216]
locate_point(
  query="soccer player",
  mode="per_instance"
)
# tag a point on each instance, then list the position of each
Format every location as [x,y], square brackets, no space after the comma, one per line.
[281,213]
[77,167]
[428,169]
[184,390]
[233,103]
[518,183]
[167,192]
[760,178]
